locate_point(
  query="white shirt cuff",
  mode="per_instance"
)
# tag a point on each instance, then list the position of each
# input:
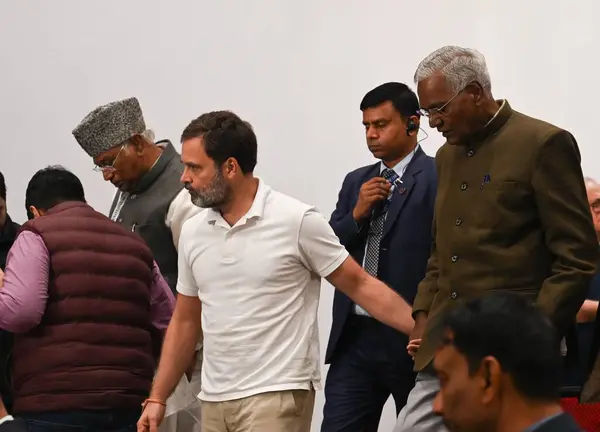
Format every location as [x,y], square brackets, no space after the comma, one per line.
[6,419]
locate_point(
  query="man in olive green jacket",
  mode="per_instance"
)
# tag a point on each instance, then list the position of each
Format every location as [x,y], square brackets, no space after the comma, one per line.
[511,213]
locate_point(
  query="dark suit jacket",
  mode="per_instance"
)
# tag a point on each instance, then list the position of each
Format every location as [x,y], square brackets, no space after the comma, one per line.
[8,233]
[561,423]
[511,215]
[406,243]
[16,425]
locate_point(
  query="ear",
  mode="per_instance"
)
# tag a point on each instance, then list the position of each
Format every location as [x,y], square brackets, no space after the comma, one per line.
[138,143]
[491,378]
[476,91]
[416,120]
[230,167]
[36,213]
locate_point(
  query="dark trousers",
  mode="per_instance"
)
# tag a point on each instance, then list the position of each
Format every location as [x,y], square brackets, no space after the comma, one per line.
[369,365]
[83,421]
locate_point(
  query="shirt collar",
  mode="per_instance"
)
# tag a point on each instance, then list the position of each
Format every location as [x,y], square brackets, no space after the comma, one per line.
[536,426]
[400,167]
[495,124]
[256,210]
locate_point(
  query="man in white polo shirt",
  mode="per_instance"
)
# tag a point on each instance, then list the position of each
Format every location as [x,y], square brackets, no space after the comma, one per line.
[250,271]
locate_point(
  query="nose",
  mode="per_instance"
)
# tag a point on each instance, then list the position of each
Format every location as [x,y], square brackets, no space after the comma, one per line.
[107,174]
[185,177]
[435,121]
[372,133]
[438,406]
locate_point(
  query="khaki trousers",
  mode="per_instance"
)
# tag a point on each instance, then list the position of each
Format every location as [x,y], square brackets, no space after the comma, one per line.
[282,411]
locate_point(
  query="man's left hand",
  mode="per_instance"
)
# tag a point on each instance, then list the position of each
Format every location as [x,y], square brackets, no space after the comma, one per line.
[413,347]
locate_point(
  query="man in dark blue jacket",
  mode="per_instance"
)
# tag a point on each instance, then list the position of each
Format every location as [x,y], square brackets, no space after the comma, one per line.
[383,217]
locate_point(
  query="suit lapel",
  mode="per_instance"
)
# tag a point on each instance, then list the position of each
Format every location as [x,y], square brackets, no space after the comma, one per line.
[403,190]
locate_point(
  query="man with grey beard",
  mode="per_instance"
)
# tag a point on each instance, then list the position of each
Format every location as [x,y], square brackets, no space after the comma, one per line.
[250,270]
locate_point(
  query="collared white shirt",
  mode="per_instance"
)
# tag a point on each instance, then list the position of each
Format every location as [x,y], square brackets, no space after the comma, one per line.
[259,282]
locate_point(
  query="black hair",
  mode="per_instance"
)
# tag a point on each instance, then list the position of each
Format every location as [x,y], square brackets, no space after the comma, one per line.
[403,99]
[225,136]
[51,186]
[2,187]
[516,333]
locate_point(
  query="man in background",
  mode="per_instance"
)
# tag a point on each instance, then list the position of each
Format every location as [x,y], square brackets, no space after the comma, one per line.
[8,229]
[250,280]
[586,316]
[579,367]
[499,367]
[383,217]
[511,212]
[88,307]
[151,200]
[8,233]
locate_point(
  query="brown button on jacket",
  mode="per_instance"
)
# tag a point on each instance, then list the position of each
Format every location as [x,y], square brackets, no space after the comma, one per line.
[511,214]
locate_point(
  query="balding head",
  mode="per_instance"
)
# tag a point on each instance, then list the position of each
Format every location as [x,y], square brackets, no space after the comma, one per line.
[593,195]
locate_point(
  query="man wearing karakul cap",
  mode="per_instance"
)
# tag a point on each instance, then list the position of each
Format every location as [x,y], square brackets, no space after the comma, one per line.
[150,201]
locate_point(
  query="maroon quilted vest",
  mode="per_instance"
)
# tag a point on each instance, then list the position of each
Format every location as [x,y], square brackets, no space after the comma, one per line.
[93,348]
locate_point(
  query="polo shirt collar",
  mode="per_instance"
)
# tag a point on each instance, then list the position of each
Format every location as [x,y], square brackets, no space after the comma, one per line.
[256,210]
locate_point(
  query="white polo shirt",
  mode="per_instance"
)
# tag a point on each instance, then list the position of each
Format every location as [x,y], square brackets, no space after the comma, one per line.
[259,282]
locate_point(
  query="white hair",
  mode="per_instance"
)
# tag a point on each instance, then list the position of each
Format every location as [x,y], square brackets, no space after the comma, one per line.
[148,135]
[459,65]
[590,182]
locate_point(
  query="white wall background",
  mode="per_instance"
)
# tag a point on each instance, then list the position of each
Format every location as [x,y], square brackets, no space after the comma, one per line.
[295,70]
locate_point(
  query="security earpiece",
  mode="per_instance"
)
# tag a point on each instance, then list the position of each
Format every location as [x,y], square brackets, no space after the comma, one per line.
[411,126]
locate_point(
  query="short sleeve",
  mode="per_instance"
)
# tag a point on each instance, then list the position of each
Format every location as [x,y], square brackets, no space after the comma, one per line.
[319,247]
[186,283]
[181,209]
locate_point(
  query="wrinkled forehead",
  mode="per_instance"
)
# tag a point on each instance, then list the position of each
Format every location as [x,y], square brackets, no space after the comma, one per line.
[108,155]
[434,91]
[593,193]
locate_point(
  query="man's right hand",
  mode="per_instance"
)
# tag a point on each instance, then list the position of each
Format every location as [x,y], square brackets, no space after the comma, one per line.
[1,278]
[151,417]
[375,190]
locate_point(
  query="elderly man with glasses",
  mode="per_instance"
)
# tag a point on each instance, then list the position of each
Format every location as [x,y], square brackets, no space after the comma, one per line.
[511,214]
[151,200]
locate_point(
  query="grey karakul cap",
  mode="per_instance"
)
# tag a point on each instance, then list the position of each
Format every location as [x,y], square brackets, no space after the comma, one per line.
[109,125]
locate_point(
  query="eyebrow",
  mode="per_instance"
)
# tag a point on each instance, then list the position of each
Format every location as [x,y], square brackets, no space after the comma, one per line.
[190,164]
[377,120]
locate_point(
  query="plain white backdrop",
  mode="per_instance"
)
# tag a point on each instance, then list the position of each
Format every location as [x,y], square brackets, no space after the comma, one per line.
[296,70]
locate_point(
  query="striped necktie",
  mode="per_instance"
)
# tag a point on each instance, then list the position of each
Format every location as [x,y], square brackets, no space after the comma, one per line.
[376,228]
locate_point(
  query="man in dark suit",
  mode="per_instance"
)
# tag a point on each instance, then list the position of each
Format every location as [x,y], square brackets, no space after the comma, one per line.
[8,229]
[500,367]
[8,233]
[383,217]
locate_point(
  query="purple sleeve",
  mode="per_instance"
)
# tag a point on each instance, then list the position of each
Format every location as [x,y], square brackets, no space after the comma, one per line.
[25,292]
[162,300]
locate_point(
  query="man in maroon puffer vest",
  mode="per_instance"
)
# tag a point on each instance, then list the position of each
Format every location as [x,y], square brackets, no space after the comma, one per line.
[88,307]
